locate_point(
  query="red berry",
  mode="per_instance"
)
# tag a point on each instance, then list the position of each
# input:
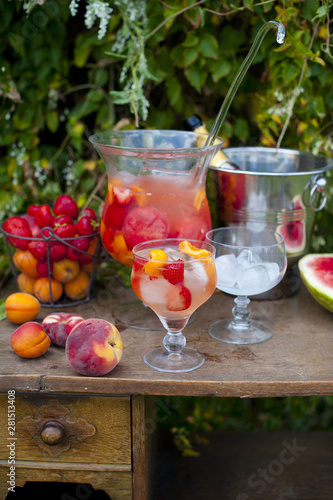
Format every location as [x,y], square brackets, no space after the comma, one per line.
[123,196]
[57,251]
[42,268]
[81,245]
[18,227]
[89,212]
[38,249]
[174,272]
[179,298]
[44,217]
[65,204]
[32,209]
[62,219]
[115,216]
[65,231]
[85,226]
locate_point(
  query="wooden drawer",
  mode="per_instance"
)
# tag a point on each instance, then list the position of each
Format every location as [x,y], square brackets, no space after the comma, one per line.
[74,429]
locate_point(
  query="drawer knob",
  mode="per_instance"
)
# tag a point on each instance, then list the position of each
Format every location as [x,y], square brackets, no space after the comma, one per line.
[52,432]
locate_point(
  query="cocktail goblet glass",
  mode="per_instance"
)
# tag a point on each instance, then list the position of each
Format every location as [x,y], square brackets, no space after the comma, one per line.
[174,277]
[247,263]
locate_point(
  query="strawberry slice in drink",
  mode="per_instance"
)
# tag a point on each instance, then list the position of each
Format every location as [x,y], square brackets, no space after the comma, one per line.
[179,298]
[174,272]
[123,196]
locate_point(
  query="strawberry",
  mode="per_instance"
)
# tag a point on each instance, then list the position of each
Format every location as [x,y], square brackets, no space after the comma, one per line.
[42,268]
[81,244]
[38,249]
[88,212]
[174,272]
[19,227]
[62,219]
[65,205]
[32,209]
[179,298]
[65,231]
[108,238]
[57,251]
[86,226]
[115,216]
[123,196]
[44,216]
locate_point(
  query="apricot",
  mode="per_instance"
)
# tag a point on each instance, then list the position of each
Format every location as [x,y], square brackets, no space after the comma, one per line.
[78,288]
[30,340]
[21,307]
[94,347]
[25,283]
[43,292]
[65,270]
[26,263]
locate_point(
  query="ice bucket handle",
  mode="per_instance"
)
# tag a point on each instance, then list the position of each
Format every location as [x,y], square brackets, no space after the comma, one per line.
[317,186]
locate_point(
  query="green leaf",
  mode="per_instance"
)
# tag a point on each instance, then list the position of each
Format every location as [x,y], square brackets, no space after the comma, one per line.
[191,55]
[208,46]
[221,69]
[290,72]
[2,310]
[194,77]
[120,96]
[191,39]
[174,90]
[52,121]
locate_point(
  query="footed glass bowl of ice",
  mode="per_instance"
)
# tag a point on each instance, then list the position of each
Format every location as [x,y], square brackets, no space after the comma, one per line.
[247,263]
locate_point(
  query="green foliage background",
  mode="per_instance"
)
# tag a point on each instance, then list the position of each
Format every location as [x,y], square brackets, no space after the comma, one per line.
[158,63]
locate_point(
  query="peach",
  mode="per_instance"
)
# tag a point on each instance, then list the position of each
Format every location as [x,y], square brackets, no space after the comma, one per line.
[59,325]
[30,340]
[94,347]
[21,307]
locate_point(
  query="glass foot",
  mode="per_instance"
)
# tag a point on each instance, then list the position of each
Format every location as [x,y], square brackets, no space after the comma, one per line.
[224,330]
[137,315]
[185,361]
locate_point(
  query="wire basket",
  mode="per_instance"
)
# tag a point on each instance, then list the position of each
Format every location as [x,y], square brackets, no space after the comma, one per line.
[50,238]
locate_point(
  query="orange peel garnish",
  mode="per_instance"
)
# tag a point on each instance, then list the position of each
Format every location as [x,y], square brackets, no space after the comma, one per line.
[189,249]
[157,259]
[199,199]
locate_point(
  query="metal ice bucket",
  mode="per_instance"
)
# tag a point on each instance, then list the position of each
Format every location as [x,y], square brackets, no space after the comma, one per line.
[282,190]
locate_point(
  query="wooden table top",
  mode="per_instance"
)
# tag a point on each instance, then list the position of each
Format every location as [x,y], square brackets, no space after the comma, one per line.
[297,360]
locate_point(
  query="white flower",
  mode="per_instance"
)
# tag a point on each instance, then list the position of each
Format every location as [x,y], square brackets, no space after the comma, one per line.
[97,9]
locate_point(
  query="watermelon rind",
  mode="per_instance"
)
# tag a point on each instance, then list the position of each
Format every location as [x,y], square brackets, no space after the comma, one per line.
[322,293]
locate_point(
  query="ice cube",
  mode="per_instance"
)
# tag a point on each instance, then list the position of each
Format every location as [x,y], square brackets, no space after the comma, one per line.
[226,270]
[174,254]
[154,291]
[195,276]
[247,257]
[273,270]
[253,280]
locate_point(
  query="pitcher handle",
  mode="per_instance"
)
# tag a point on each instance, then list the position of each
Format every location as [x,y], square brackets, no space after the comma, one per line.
[316,185]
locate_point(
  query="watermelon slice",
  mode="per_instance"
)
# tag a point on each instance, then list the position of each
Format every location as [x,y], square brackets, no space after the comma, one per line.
[317,274]
[293,230]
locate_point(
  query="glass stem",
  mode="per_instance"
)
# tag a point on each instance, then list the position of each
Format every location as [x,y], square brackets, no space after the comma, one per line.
[241,313]
[174,342]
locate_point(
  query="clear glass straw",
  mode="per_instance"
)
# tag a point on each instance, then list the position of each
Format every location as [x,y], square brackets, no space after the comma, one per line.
[280,36]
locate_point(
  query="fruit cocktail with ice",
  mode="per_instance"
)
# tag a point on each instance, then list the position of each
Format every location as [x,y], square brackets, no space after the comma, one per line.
[174,277]
[156,188]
